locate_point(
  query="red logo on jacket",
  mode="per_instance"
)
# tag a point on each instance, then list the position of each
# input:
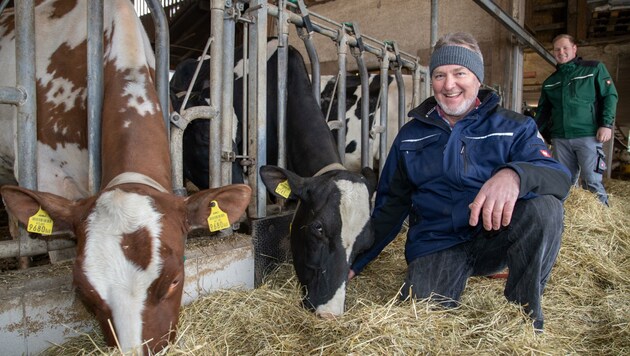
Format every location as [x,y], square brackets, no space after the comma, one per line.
[545,153]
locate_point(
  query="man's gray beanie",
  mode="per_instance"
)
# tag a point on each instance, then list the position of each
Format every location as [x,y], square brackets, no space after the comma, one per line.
[453,54]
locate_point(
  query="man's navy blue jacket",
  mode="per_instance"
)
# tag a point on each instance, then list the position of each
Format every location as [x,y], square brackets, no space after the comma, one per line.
[434,172]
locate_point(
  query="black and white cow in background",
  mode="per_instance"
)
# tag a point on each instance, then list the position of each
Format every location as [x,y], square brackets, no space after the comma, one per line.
[353,112]
[331,222]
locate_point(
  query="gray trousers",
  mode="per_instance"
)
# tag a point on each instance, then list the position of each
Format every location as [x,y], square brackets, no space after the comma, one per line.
[579,155]
[528,247]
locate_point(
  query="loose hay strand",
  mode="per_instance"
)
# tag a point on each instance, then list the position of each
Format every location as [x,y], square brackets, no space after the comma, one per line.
[585,303]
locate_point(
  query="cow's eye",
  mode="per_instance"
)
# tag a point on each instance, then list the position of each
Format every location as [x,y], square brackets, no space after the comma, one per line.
[317,228]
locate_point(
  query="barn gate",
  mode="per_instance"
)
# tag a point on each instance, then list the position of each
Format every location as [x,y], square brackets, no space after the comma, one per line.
[39,306]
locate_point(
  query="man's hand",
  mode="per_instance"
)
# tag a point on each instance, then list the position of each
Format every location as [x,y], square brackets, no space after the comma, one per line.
[603,134]
[496,199]
[351,275]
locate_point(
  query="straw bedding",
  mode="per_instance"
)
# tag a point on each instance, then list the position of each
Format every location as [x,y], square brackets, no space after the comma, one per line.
[586,306]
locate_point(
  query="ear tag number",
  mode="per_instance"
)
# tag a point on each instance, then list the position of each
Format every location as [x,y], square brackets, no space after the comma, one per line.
[283,189]
[40,223]
[218,219]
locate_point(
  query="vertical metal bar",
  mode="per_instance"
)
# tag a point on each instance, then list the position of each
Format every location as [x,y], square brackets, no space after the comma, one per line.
[227,100]
[382,147]
[25,80]
[315,70]
[283,58]
[517,78]
[27,112]
[95,91]
[516,104]
[365,112]
[400,82]
[162,43]
[245,93]
[3,5]
[258,105]
[217,10]
[416,79]
[306,33]
[434,22]
[342,52]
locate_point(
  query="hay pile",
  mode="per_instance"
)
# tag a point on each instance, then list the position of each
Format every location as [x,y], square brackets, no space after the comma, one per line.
[586,306]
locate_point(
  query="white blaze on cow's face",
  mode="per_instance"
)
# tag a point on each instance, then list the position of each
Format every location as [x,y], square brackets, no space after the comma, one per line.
[121,280]
[354,216]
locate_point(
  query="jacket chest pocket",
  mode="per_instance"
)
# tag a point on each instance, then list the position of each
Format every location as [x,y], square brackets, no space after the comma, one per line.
[481,155]
[423,158]
[583,88]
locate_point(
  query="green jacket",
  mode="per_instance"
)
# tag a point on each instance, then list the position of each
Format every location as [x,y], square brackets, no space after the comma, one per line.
[576,100]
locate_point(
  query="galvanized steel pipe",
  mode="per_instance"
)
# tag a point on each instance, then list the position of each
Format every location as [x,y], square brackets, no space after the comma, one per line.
[162,43]
[217,10]
[382,147]
[95,89]
[227,100]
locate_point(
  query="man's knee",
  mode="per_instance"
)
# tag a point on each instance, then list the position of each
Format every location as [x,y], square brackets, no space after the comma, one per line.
[544,209]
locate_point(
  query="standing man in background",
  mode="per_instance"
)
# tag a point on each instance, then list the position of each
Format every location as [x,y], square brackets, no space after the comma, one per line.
[576,111]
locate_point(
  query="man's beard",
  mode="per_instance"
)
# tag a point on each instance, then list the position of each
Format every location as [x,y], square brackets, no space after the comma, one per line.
[459,110]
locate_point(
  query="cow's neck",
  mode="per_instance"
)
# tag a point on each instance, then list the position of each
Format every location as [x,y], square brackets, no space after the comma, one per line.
[134,134]
[330,167]
[133,177]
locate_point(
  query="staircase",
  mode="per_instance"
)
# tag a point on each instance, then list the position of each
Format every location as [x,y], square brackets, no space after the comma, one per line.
[621,140]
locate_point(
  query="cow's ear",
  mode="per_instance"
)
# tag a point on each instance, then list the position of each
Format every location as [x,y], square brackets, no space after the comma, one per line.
[277,180]
[231,199]
[24,203]
[372,179]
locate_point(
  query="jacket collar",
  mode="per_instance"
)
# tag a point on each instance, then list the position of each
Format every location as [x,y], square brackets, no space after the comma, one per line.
[570,64]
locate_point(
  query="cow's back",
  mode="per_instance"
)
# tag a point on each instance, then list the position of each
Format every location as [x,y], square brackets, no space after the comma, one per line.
[61,87]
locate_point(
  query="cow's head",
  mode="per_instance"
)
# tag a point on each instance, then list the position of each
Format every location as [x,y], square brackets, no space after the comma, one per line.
[330,227]
[129,269]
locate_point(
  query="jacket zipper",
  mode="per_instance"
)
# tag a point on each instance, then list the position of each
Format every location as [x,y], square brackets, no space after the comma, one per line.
[462,152]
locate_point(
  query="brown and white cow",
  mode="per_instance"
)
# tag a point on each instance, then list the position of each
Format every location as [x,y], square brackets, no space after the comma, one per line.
[131,236]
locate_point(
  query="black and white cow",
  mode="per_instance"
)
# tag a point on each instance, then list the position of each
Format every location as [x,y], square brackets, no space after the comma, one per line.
[354,100]
[331,223]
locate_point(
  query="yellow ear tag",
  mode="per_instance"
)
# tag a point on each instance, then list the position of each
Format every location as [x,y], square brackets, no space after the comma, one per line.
[40,223]
[218,219]
[283,189]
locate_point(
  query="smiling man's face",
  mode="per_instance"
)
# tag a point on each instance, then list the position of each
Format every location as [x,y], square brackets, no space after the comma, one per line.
[563,50]
[456,89]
